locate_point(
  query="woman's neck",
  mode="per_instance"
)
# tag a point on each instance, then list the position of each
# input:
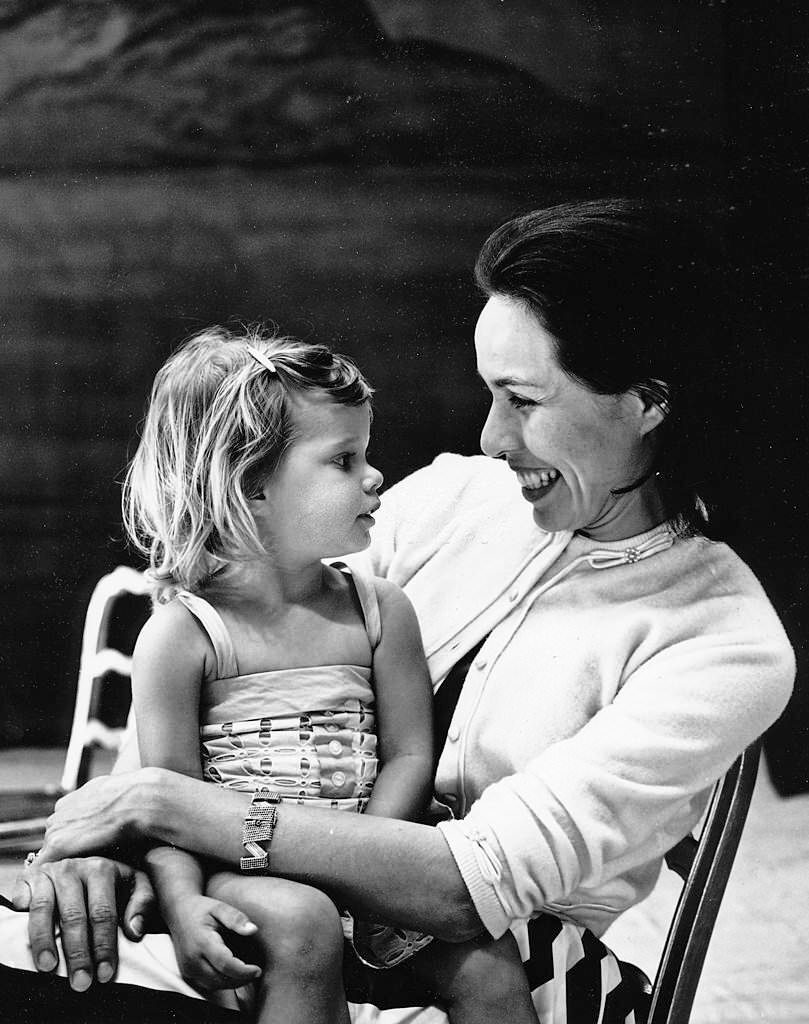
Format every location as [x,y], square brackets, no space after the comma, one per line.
[629,514]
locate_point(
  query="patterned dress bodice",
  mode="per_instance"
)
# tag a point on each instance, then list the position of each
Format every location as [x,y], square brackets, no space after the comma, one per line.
[308,733]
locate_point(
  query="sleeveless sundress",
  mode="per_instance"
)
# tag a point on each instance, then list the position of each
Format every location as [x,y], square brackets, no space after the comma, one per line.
[308,733]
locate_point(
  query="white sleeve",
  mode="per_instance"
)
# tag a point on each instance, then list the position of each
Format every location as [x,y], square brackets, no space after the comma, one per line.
[632,782]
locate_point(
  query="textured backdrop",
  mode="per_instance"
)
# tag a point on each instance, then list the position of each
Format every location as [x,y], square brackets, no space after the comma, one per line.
[334,167]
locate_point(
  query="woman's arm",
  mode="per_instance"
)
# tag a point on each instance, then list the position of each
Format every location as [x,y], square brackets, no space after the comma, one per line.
[394,870]
[404,700]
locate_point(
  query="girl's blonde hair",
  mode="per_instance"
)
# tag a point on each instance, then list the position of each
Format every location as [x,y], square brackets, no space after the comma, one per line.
[217,424]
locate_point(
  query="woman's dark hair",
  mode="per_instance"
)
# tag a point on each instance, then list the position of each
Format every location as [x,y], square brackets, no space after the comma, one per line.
[633,296]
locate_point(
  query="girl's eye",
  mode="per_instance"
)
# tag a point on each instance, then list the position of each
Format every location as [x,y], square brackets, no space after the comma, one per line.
[519,402]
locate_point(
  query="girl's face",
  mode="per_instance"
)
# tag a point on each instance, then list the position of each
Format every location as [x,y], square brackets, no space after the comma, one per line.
[568,447]
[319,502]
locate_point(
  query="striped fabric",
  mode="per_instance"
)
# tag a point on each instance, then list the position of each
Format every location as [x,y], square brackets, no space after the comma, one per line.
[574,979]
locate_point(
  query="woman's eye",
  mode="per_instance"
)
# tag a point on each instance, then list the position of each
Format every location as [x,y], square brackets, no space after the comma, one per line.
[344,460]
[519,402]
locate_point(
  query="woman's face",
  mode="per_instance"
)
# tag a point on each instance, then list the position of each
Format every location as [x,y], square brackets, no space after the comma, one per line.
[568,447]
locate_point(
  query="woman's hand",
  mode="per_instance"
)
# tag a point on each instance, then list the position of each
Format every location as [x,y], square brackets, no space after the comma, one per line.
[85,898]
[107,814]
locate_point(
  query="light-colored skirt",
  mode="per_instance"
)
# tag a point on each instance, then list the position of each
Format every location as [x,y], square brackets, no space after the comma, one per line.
[574,978]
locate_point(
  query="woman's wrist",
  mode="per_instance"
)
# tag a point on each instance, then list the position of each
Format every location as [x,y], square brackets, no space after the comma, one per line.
[170,808]
[150,813]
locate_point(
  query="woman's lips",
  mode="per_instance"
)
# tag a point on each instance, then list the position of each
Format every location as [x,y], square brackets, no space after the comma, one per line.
[534,494]
[536,482]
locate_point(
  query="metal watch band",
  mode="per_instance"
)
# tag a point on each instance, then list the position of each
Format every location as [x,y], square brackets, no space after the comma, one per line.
[259,826]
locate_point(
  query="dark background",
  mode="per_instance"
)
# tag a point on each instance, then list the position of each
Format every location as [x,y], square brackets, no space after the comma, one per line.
[334,168]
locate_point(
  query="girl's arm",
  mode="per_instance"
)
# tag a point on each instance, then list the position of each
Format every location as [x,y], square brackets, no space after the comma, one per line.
[404,699]
[168,665]
[170,660]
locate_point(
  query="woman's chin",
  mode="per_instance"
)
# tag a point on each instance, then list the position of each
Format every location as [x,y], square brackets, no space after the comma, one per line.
[548,523]
[549,515]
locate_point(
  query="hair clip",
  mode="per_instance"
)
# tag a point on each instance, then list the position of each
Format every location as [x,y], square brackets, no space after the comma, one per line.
[268,364]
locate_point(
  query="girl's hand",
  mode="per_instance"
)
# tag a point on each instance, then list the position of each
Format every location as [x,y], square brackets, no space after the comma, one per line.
[205,959]
[84,898]
[109,813]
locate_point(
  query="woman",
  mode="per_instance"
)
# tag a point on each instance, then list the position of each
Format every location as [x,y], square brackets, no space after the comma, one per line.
[614,661]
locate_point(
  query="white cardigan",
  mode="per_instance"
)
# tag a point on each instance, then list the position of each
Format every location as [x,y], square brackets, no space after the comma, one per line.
[607,699]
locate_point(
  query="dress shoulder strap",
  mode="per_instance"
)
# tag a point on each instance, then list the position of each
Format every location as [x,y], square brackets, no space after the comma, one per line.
[365,588]
[211,621]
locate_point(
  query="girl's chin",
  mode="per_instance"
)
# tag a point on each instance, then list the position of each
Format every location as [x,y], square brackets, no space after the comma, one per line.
[360,541]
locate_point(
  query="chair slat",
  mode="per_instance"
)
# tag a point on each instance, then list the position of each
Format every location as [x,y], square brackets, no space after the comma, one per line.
[684,952]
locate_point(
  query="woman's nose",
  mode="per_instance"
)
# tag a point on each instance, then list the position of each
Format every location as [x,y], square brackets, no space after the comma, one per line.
[497,438]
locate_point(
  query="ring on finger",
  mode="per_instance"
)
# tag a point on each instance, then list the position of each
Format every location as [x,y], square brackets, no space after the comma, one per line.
[31,857]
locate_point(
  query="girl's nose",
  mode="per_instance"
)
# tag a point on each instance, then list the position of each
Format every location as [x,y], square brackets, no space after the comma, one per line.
[373,479]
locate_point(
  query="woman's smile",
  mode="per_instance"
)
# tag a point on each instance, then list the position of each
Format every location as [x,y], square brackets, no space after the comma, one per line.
[572,450]
[536,483]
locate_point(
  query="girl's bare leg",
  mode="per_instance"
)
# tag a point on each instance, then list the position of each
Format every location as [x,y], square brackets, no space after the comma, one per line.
[301,939]
[478,982]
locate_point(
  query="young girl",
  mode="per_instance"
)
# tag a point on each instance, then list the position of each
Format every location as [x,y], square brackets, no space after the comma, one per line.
[265,669]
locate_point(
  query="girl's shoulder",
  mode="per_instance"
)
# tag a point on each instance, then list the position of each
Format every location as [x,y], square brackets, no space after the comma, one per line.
[365,581]
[170,640]
[169,623]
[395,612]
[380,600]
[389,595]
[173,629]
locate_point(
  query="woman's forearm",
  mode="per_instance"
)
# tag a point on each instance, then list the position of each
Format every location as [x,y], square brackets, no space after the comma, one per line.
[396,871]
[392,870]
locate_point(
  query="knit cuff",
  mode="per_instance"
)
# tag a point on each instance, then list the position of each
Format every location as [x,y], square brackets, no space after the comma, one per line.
[478,873]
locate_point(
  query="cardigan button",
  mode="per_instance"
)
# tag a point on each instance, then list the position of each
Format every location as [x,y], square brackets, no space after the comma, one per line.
[481,663]
[453,734]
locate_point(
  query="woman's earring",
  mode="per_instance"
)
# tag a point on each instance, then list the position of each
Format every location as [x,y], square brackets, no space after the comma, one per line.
[659,393]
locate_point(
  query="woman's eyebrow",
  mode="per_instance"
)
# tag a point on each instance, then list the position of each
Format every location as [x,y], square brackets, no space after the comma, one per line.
[510,382]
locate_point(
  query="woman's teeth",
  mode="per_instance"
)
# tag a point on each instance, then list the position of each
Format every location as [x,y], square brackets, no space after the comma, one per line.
[533,479]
